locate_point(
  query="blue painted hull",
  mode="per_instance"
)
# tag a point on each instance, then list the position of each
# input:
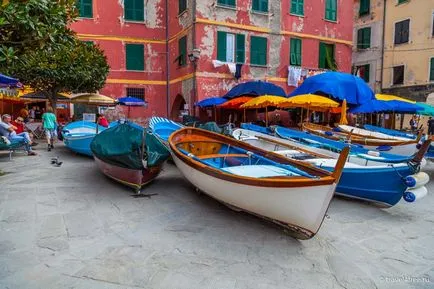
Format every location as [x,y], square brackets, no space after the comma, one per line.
[80,143]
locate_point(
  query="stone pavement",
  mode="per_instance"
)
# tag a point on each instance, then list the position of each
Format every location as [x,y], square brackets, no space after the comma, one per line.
[71,227]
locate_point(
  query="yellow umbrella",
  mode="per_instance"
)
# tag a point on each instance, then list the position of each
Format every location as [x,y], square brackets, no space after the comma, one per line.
[264,101]
[309,101]
[343,119]
[93,99]
[388,97]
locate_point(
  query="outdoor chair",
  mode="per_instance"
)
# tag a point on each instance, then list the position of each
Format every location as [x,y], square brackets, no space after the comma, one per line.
[36,129]
[11,146]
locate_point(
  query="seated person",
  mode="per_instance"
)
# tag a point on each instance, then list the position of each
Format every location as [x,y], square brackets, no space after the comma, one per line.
[19,124]
[8,130]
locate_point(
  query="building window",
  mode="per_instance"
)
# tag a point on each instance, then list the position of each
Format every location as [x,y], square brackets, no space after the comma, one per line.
[230,47]
[297,7]
[327,56]
[295,52]
[136,92]
[398,75]
[431,71]
[135,57]
[258,50]
[85,8]
[364,38]
[365,6]
[402,31]
[182,6]
[182,50]
[260,5]
[363,72]
[432,32]
[134,10]
[331,10]
[402,1]
[230,3]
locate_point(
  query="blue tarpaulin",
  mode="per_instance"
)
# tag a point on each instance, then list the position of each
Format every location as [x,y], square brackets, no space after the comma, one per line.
[255,88]
[131,101]
[211,101]
[7,81]
[375,106]
[338,85]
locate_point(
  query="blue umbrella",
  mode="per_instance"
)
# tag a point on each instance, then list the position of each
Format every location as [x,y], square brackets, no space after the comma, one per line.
[212,101]
[375,106]
[337,85]
[255,88]
[8,81]
[403,107]
[131,101]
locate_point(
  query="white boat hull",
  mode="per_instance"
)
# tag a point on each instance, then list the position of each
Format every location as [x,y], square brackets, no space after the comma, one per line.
[403,150]
[301,209]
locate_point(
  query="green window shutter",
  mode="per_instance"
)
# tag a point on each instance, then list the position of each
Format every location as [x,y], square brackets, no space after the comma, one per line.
[322,57]
[297,7]
[295,52]
[182,51]
[134,10]
[260,5]
[240,48]
[255,5]
[182,6]
[402,1]
[366,75]
[331,10]
[85,8]
[221,46]
[226,2]
[431,75]
[135,57]
[258,50]
[364,38]
[365,6]
[360,39]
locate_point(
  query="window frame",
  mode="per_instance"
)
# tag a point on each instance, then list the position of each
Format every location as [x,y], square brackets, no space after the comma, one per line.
[179,6]
[297,5]
[365,12]
[336,11]
[399,2]
[367,65]
[432,24]
[431,69]
[393,75]
[258,10]
[134,20]
[126,56]
[182,53]
[79,5]
[300,41]
[325,60]
[362,45]
[409,30]
[224,5]
[134,94]
[239,55]
[252,37]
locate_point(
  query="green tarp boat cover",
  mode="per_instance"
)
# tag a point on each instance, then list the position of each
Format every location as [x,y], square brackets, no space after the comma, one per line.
[211,126]
[121,145]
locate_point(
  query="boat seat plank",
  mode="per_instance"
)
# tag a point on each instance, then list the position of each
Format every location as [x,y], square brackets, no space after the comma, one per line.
[259,171]
[213,156]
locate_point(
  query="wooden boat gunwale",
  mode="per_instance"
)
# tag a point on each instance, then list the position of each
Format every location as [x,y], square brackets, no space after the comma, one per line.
[325,177]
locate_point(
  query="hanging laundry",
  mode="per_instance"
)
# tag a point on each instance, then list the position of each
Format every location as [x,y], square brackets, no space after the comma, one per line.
[232,67]
[294,75]
[238,70]
[218,63]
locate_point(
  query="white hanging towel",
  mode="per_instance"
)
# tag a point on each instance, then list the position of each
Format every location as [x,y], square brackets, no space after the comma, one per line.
[294,75]
[218,63]
[232,67]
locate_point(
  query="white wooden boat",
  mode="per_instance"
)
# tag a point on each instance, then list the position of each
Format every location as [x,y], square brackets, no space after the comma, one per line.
[290,193]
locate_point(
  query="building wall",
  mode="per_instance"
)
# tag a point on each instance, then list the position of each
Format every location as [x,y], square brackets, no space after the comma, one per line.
[200,23]
[416,54]
[372,55]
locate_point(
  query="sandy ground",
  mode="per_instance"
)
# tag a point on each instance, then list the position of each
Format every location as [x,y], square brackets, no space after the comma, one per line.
[71,227]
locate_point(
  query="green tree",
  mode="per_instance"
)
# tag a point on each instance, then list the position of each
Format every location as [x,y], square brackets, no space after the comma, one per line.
[38,47]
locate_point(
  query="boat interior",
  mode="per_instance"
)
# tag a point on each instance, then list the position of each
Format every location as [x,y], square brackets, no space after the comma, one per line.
[236,160]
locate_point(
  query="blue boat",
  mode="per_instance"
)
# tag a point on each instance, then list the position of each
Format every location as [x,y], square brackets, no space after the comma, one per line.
[78,135]
[390,132]
[162,128]
[379,178]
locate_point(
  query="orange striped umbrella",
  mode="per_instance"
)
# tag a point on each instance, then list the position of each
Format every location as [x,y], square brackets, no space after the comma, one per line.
[236,102]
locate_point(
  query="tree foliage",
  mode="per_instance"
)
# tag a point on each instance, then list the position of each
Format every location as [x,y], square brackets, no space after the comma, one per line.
[38,47]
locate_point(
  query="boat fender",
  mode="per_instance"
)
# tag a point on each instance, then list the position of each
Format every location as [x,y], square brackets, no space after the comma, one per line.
[415,194]
[190,155]
[374,153]
[417,180]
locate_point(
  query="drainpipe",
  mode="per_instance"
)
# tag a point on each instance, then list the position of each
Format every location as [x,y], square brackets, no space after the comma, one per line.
[196,60]
[167,62]
[383,40]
